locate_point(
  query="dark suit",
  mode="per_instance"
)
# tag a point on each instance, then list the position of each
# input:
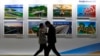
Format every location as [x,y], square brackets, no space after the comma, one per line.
[51,37]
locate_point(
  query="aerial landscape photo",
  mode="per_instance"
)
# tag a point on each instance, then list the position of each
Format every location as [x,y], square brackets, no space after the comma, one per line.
[13,12]
[37,11]
[13,27]
[62,10]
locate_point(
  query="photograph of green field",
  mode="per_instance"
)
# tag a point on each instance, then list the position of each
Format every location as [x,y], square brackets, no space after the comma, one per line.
[37,11]
[13,12]
[62,10]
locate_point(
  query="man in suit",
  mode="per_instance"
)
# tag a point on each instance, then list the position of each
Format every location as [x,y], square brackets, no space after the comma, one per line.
[51,39]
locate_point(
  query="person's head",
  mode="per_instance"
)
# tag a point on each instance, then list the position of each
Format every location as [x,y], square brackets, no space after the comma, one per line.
[41,25]
[47,23]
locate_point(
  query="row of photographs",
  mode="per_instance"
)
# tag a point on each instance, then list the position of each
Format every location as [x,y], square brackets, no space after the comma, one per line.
[60,11]
[62,27]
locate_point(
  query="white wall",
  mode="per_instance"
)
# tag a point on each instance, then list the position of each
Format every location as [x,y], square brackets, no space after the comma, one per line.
[29,45]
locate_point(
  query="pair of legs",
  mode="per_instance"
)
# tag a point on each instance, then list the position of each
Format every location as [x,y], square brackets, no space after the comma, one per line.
[42,47]
[53,48]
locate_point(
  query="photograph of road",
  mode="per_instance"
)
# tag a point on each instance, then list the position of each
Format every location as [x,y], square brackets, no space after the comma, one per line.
[33,27]
[86,27]
[86,11]
[62,10]
[13,27]
[63,27]
[37,11]
[13,11]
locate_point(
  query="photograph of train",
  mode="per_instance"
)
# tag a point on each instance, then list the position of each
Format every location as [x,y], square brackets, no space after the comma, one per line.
[63,27]
[13,11]
[62,10]
[86,27]
[86,11]
[33,27]
[13,27]
[37,11]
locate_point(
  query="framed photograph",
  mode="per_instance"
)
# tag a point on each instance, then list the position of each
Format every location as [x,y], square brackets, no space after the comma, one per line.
[33,27]
[86,11]
[13,11]
[13,27]
[86,28]
[37,11]
[63,27]
[62,11]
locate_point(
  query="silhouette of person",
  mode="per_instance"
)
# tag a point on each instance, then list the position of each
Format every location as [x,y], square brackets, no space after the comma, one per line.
[42,39]
[51,39]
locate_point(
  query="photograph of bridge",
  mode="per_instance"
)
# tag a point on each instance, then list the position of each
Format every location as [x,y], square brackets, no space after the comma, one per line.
[13,12]
[13,27]
[37,11]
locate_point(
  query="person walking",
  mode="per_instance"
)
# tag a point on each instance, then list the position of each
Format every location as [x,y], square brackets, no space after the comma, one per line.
[51,39]
[42,39]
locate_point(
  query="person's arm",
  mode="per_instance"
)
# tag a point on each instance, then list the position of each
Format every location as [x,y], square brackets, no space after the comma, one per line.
[46,33]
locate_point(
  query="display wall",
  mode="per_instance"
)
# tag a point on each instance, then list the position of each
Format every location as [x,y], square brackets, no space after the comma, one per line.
[75,21]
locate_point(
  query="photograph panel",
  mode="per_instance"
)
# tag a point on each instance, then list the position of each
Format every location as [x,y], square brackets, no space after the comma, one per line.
[63,27]
[86,12]
[13,27]
[13,11]
[37,11]
[86,28]
[33,27]
[62,11]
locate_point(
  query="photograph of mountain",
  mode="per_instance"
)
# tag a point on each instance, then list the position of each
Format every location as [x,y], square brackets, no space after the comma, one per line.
[13,27]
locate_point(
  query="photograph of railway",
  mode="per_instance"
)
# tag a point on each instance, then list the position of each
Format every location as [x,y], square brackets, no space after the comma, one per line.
[63,27]
[37,11]
[62,10]
[13,27]
[86,11]
[86,27]
[13,11]
[33,27]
